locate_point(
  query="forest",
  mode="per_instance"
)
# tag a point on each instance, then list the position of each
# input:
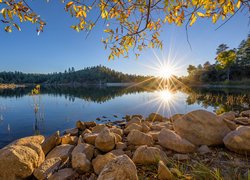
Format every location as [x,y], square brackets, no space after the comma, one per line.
[89,75]
[231,66]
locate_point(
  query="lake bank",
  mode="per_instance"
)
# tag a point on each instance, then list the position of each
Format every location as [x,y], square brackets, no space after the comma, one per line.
[154,147]
[11,86]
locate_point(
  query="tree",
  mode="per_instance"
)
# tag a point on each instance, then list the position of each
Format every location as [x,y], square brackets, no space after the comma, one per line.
[191,69]
[131,25]
[226,59]
[221,48]
[206,65]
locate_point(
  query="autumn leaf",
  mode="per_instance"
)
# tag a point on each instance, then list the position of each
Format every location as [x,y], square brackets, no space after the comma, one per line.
[238,4]
[18,28]
[192,19]
[8,29]
[200,14]
[69,4]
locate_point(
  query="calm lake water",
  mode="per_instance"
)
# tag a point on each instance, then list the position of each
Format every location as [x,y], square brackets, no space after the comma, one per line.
[60,108]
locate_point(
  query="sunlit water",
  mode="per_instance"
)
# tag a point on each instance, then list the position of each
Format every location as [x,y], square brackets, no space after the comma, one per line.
[59,109]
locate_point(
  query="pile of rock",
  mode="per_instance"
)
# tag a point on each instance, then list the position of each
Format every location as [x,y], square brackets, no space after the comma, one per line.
[101,151]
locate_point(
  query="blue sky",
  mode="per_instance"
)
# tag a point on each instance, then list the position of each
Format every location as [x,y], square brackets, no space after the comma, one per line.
[60,47]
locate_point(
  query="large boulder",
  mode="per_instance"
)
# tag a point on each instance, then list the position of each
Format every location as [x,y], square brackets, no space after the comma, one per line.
[63,151]
[68,139]
[148,155]
[19,161]
[155,117]
[100,161]
[245,113]
[38,139]
[170,140]
[238,140]
[201,127]
[63,174]
[98,128]
[135,120]
[85,148]
[51,142]
[228,115]
[80,125]
[47,168]
[122,168]
[136,137]
[90,138]
[116,130]
[105,141]
[131,127]
[80,163]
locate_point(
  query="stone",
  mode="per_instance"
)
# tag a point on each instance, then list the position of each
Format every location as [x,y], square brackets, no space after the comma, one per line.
[68,139]
[38,139]
[163,172]
[245,113]
[148,155]
[238,140]
[242,120]
[175,116]
[47,168]
[72,132]
[201,127]
[90,138]
[85,148]
[204,149]
[116,130]
[230,124]
[170,140]
[145,128]
[80,125]
[118,138]
[157,127]
[121,167]
[63,151]
[135,120]
[90,124]
[117,152]
[80,140]
[80,163]
[105,141]
[19,161]
[121,145]
[136,137]
[98,128]
[228,115]
[51,142]
[131,127]
[86,131]
[154,134]
[100,161]
[63,174]
[155,117]
[181,157]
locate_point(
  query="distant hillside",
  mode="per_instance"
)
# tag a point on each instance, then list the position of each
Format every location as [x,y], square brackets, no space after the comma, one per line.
[90,75]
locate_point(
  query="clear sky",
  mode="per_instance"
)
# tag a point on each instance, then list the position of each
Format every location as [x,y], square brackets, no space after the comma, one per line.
[60,47]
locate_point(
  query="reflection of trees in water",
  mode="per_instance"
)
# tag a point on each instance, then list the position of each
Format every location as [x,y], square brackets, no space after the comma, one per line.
[221,99]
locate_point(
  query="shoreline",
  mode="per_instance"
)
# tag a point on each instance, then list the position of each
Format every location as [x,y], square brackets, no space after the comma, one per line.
[154,147]
[12,86]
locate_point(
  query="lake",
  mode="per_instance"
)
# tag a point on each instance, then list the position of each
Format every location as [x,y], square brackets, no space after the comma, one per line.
[60,107]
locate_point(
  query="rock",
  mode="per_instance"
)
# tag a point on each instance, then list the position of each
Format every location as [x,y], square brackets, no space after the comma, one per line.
[86,131]
[38,139]
[80,163]
[90,138]
[135,120]
[118,138]
[157,127]
[68,139]
[80,140]
[90,124]
[176,116]
[63,174]
[100,161]
[181,157]
[163,172]
[51,142]
[121,168]
[47,168]
[137,115]
[238,140]
[155,117]
[105,141]
[136,137]
[228,115]
[72,132]
[62,151]
[170,140]
[116,130]
[131,127]
[145,128]
[19,161]
[98,128]
[230,124]
[121,145]
[154,134]
[117,152]
[204,149]
[85,148]
[148,155]
[128,153]
[201,127]
[245,113]
[80,125]
[242,120]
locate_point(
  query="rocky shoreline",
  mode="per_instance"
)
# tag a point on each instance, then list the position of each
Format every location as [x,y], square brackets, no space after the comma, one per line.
[197,145]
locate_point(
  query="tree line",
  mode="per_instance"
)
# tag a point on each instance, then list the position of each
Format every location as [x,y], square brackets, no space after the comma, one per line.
[90,75]
[229,65]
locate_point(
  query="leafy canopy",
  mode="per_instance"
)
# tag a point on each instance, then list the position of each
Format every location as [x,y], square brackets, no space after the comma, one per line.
[131,24]
[226,58]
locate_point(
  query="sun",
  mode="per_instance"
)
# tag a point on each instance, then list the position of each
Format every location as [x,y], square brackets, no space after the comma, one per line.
[166,95]
[166,71]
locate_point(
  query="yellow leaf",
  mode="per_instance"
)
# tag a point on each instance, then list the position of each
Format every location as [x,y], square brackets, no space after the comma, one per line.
[215,18]
[18,28]
[1,1]
[192,19]
[69,4]
[200,14]
[84,14]
[238,4]
[8,29]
